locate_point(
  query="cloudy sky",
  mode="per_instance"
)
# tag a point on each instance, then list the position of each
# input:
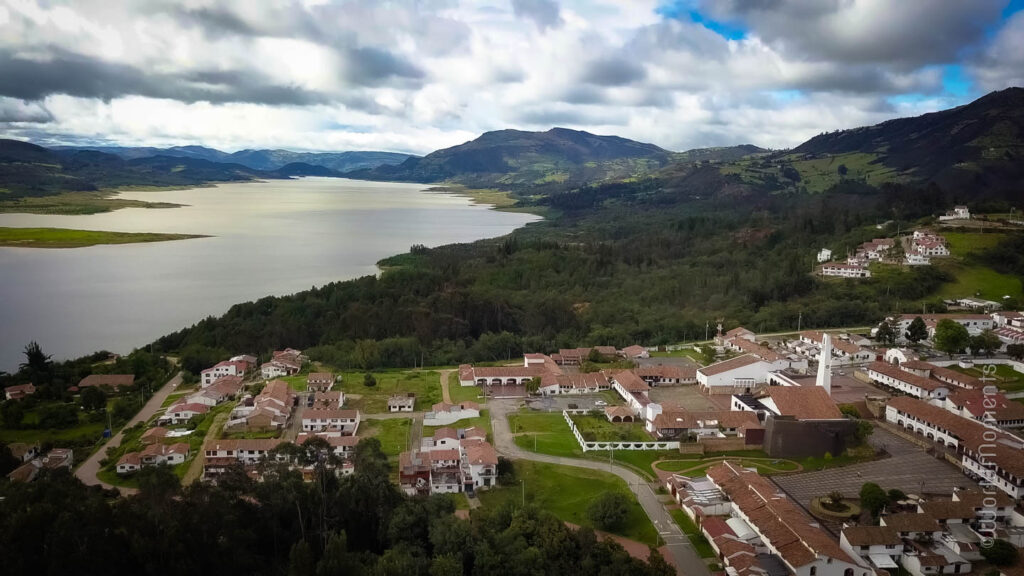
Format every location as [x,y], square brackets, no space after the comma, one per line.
[417,75]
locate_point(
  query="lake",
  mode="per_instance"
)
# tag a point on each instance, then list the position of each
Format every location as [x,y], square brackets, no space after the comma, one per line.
[269,238]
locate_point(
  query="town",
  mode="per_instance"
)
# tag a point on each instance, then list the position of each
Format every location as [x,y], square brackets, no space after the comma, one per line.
[815,452]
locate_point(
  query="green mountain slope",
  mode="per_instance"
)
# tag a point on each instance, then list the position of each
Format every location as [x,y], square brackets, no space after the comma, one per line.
[516,159]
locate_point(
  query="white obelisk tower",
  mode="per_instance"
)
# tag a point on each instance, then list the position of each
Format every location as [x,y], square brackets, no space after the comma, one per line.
[825,365]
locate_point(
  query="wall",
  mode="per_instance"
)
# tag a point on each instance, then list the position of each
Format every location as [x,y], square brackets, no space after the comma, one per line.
[616,445]
[785,437]
[724,444]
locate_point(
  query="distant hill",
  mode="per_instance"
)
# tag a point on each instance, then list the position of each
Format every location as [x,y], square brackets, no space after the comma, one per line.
[259,159]
[30,170]
[719,154]
[978,144]
[517,158]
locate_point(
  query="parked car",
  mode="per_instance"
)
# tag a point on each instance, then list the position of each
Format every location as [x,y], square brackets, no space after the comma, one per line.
[600,403]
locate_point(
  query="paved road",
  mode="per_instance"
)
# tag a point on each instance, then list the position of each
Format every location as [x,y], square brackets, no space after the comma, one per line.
[87,471]
[687,560]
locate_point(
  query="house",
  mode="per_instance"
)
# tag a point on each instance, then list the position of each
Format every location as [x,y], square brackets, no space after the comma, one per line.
[182,411]
[226,368]
[845,270]
[634,352]
[19,391]
[344,422]
[54,459]
[330,399]
[153,435]
[249,359]
[23,451]
[1008,318]
[470,375]
[114,381]
[912,525]
[985,452]
[319,381]
[446,465]
[279,368]
[824,255]
[742,374]
[975,323]
[482,461]
[589,383]
[401,402]
[667,375]
[879,545]
[341,446]
[957,213]
[632,389]
[269,410]
[785,530]
[986,405]
[129,463]
[740,332]
[677,424]
[443,413]
[154,454]
[799,421]
[219,455]
[890,376]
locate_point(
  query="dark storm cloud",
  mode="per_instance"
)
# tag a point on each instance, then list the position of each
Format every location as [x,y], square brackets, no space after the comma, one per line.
[613,72]
[373,66]
[566,117]
[83,76]
[906,34]
[543,13]
[27,112]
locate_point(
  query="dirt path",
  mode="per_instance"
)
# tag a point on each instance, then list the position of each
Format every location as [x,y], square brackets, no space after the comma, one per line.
[445,395]
[195,471]
[88,470]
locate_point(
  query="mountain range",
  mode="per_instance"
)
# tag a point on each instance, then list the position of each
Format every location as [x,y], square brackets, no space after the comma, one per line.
[978,146]
[268,160]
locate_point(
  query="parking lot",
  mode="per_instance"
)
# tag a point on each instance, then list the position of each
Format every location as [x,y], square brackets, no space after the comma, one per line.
[559,403]
[908,468]
[690,398]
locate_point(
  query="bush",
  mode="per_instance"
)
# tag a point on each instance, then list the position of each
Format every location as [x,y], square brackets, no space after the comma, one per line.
[58,416]
[1000,553]
[369,381]
[609,510]
[873,498]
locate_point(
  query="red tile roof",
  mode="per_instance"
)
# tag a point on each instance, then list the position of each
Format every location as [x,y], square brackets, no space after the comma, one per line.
[112,380]
[804,402]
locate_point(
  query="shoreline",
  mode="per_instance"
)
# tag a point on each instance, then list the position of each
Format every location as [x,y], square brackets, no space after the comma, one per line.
[65,238]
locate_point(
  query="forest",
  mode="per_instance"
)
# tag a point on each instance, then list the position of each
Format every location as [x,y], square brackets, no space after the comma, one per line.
[355,525]
[650,261]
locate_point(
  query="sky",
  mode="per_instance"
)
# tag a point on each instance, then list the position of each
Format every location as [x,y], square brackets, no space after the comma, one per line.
[418,75]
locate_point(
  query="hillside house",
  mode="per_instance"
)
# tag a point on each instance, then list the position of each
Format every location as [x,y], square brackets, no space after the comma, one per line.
[226,368]
[343,422]
[219,455]
[319,381]
[19,391]
[113,381]
[840,270]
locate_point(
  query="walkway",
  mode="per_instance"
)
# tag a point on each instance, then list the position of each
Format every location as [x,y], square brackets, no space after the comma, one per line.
[684,557]
[195,470]
[445,395]
[88,470]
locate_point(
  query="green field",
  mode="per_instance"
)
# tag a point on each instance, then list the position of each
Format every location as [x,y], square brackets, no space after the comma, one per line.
[566,492]
[393,435]
[67,238]
[971,279]
[425,384]
[599,429]
[297,382]
[764,467]
[460,393]
[1007,379]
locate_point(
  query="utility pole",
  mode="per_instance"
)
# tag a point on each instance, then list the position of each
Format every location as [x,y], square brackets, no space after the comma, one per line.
[707,324]
[524,493]
[799,320]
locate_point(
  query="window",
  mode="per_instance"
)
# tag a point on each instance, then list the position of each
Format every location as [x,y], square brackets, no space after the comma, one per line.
[848,572]
[814,570]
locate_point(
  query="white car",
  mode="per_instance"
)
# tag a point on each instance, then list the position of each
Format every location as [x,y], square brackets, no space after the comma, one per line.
[600,403]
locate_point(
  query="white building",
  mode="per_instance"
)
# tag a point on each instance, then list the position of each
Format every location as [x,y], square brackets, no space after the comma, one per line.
[221,369]
[824,255]
[879,545]
[739,375]
[841,270]
[343,422]
[907,382]
[443,414]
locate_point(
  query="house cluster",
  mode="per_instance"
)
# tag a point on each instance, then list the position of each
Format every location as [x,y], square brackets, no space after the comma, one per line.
[925,245]
[283,363]
[19,391]
[249,453]
[155,453]
[845,270]
[846,349]
[452,460]
[576,356]
[1007,325]
[269,410]
[237,366]
[928,537]
[200,402]
[985,452]
[33,463]
[756,529]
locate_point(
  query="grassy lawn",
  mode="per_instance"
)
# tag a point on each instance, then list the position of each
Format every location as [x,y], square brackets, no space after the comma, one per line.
[599,429]
[297,382]
[481,421]
[393,435]
[963,243]
[700,543]
[1007,379]
[172,398]
[461,501]
[684,353]
[971,279]
[852,456]
[763,467]
[461,393]
[426,385]
[566,492]
[67,238]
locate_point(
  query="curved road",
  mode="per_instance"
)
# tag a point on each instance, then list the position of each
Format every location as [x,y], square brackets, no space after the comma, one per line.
[687,560]
[87,471]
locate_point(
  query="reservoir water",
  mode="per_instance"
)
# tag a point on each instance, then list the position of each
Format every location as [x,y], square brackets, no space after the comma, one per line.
[268,238]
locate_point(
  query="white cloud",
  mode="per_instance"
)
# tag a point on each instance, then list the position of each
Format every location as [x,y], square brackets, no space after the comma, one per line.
[416,75]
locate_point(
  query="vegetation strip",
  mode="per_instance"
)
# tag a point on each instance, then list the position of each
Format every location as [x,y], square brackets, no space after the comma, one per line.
[68,238]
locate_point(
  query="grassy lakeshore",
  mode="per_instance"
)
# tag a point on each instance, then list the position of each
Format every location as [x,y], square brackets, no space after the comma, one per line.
[82,203]
[498,199]
[68,238]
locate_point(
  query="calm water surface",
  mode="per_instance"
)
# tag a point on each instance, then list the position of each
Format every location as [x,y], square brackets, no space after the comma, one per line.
[276,237]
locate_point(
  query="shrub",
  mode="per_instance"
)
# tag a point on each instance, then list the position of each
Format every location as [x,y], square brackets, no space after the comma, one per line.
[609,510]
